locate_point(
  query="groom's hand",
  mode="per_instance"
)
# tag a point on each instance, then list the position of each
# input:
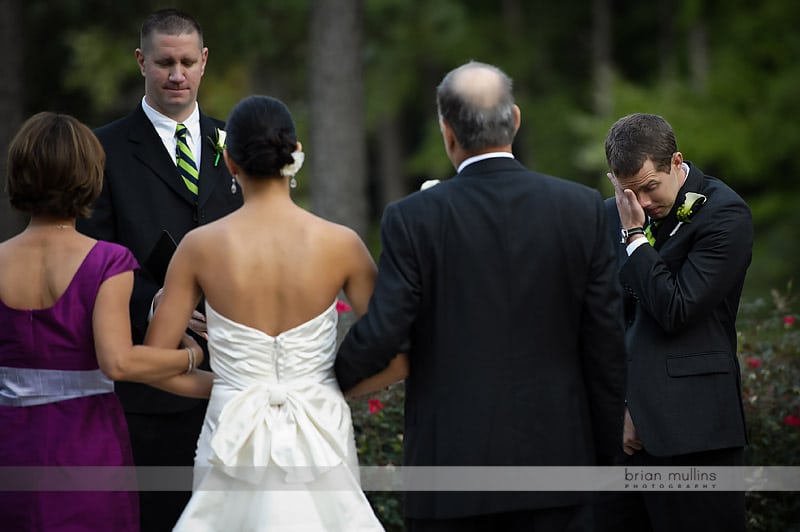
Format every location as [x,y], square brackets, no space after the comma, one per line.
[631,213]
[630,440]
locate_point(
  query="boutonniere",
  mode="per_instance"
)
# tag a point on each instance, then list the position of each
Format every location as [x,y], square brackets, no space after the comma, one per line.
[429,183]
[218,143]
[691,204]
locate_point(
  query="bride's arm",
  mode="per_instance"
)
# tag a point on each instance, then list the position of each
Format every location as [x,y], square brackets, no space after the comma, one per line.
[180,296]
[359,287]
[396,371]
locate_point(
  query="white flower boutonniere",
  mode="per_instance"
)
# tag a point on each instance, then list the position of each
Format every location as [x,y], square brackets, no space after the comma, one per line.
[219,144]
[429,183]
[691,205]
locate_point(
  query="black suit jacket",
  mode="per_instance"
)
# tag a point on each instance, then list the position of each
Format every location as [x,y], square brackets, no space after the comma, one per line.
[142,196]
[684,384]
[503,281]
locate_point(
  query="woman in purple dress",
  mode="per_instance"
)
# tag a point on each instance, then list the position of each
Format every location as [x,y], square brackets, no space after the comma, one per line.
[64,338]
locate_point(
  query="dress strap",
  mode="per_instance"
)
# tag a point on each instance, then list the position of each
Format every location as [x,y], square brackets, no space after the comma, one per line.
[29,386]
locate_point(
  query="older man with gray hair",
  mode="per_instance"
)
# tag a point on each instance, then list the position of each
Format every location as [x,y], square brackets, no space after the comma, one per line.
[500,284]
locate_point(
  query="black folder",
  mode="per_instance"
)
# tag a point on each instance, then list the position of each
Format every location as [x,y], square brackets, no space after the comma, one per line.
[157,261]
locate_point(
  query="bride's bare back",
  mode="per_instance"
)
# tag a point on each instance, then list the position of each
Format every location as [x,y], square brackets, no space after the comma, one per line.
[271,265]
[273,270]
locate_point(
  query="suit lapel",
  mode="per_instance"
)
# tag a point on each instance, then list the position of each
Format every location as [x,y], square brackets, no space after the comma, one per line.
[147,147]
[211,176]
[693,183]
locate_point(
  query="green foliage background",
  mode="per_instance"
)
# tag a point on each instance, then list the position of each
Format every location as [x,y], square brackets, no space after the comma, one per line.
[735,117]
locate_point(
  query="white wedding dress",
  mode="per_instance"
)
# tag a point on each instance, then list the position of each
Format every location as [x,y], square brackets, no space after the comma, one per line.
[277,451]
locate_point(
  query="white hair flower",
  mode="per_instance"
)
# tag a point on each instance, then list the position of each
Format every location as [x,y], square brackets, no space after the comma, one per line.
[291,169]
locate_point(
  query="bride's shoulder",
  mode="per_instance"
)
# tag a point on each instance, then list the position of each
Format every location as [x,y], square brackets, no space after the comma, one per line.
[338,237]
[342,231]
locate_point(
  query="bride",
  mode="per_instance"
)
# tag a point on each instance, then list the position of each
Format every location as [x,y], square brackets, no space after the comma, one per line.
[276,451]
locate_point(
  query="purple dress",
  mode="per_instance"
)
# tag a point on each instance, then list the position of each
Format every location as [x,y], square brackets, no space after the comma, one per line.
[58,409]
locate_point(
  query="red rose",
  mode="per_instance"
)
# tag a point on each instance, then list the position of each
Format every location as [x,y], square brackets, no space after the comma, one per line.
[376,406]
[792,420]
[341,306]
[788,321]
[753,362]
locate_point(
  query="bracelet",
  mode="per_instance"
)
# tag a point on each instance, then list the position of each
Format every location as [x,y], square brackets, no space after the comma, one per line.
[192,360]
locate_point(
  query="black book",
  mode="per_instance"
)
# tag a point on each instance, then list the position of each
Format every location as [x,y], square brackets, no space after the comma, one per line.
[157,261]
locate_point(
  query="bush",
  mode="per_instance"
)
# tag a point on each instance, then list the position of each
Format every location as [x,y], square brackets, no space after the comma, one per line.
[769,355]
[378,424]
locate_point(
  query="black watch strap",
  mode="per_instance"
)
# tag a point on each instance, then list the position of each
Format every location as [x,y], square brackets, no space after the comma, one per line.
[625,234]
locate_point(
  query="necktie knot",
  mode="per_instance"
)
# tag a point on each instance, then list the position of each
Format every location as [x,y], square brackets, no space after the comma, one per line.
[181,131]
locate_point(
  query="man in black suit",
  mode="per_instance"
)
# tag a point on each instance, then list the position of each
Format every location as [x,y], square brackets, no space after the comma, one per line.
[500,284]
[144,194]
[684,399]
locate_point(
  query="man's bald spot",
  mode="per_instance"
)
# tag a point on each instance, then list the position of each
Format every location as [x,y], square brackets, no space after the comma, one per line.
[478,85]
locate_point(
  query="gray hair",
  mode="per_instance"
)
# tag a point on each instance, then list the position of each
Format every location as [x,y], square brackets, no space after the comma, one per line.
[479,108]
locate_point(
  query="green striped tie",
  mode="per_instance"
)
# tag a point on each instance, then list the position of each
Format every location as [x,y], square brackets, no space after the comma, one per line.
[185,161]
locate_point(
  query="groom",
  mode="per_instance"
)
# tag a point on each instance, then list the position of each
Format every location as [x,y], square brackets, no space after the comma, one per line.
[684,397]
[503,280]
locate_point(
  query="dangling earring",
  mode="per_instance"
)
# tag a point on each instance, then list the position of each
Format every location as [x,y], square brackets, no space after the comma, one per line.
[233,184]
[292,168]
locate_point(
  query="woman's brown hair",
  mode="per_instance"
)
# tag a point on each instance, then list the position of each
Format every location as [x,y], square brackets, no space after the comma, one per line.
[55,167]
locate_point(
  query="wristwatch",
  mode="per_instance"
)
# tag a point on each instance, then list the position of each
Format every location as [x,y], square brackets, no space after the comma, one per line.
[627,233]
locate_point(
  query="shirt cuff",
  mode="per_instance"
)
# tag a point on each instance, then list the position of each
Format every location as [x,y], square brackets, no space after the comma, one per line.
[630,248]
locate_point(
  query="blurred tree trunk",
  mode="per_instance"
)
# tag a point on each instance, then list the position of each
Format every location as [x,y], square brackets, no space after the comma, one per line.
[11,104]
[667,10]
[698,48]
[601,57]
[391,162]
[337,154]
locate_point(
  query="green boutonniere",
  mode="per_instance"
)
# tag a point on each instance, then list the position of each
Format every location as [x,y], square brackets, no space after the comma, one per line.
[690,206]
[219,144]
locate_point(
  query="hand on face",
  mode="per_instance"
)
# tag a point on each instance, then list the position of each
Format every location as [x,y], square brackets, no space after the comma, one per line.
[631,213]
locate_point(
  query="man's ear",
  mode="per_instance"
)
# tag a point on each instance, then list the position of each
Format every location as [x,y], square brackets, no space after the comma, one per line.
[140,60]
[517,118]
[449,137]
[677,159]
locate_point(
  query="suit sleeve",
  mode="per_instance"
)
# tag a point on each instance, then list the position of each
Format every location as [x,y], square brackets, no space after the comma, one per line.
[383,331]
[715,263]
[602,335]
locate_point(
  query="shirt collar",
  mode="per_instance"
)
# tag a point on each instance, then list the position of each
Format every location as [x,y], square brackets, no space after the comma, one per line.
[685,168]
[165,127]
[482,156]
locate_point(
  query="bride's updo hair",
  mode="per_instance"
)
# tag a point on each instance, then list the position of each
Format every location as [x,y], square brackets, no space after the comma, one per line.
[261,136]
